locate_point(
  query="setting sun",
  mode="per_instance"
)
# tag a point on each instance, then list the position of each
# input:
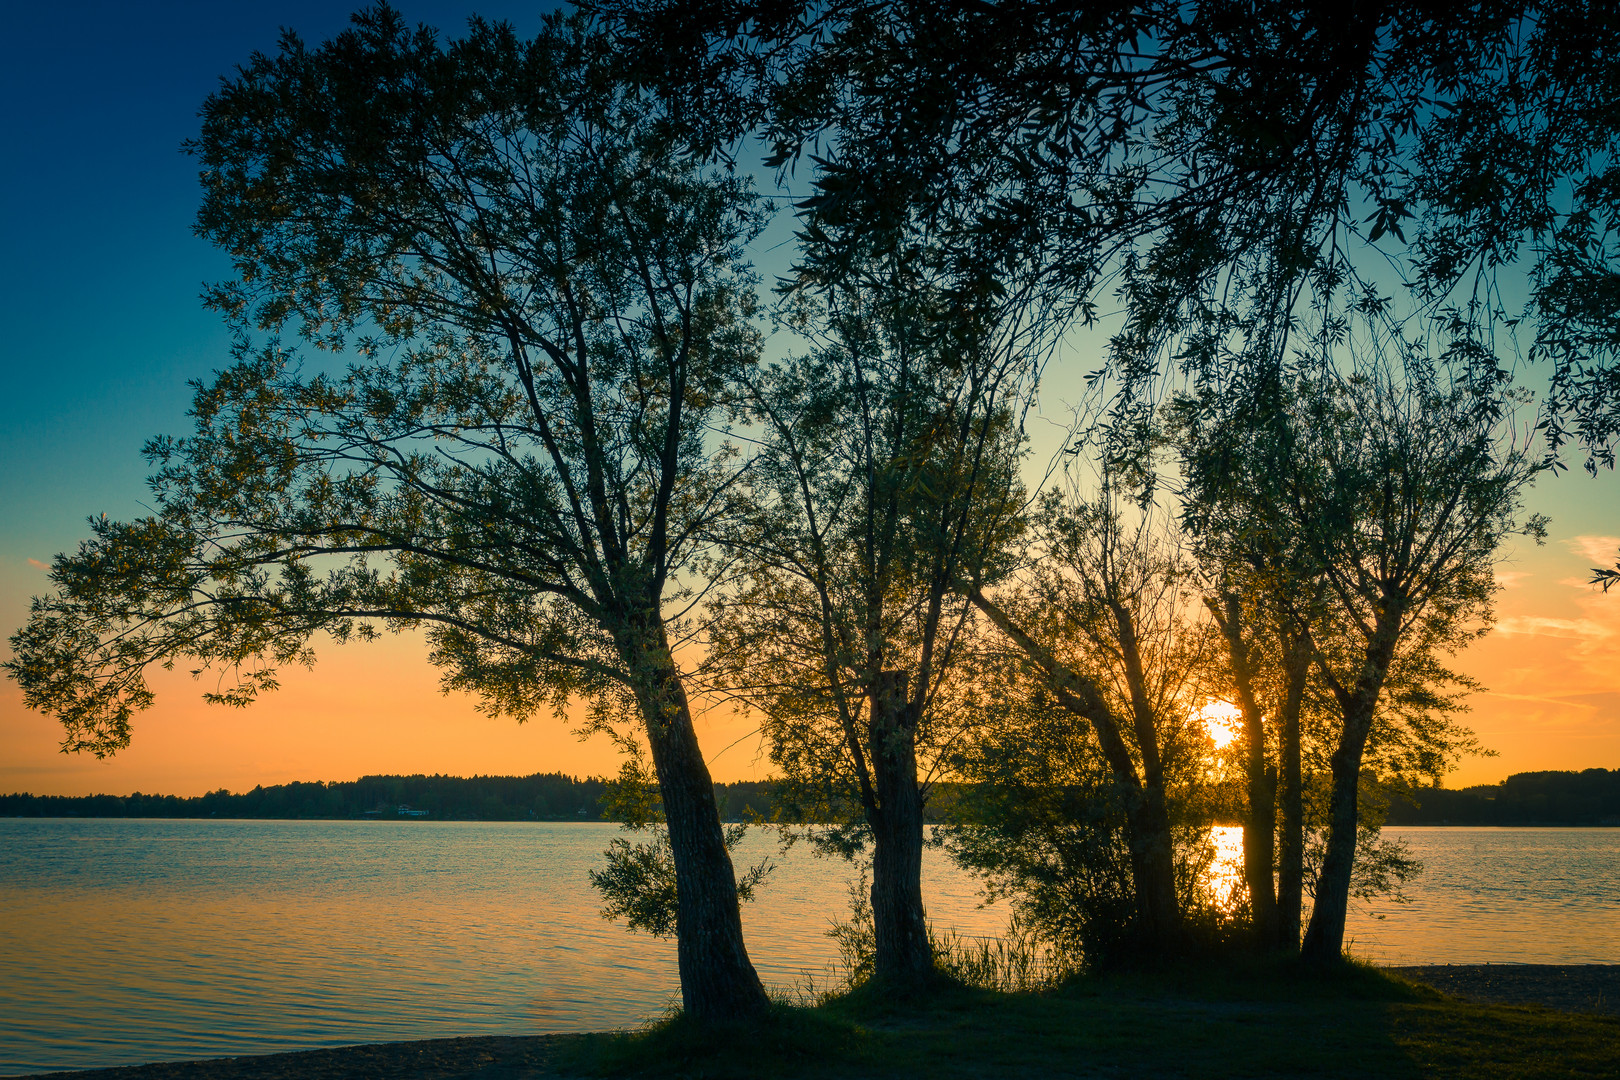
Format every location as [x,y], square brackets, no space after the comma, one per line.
[1222,720]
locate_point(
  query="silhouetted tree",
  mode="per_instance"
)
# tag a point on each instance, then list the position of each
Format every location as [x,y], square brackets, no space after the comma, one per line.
[887,462]
[1098,610]
[548,305]
[1393,488]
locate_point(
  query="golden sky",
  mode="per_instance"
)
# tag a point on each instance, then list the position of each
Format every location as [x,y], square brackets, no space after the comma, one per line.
[1552,666]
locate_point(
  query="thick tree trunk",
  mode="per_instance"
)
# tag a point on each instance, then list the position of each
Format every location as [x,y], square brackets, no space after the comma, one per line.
[718,982]
[1153,872]
[904,956]
[1324,938]
[1291,800]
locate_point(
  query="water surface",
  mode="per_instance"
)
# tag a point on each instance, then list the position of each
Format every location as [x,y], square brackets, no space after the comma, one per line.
[129,940]
[125,941]
[1499,895]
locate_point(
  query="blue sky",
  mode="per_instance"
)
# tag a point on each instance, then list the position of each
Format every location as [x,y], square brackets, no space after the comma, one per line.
[99,272]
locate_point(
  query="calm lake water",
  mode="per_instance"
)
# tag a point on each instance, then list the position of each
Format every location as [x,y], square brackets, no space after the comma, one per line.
[125,941]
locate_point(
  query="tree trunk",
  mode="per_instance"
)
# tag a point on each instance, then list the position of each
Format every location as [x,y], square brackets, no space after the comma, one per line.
[1153,871]
[1324,938]
[1259,828]
[1259,838]
[718,982]
[904,956]
[1291,798]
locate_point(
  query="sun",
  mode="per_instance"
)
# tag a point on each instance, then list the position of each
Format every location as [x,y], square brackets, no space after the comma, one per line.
[1222,720]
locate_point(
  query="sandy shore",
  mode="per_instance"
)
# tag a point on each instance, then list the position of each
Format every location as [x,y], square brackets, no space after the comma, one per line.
[1590,988]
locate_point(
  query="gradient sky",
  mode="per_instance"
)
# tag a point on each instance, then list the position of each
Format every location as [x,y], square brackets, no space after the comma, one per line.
[99,278]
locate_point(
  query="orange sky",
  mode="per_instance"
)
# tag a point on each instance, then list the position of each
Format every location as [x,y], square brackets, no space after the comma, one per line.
[1552,666]
[364,709]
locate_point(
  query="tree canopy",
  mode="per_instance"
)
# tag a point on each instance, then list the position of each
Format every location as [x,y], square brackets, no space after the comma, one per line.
[545,304]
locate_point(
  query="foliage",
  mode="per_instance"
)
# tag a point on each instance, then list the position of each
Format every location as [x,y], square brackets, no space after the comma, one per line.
[1044,820]
[520,444]
[1604,576]
[1226,168]
[1019,961]
[638,883]
[856,936]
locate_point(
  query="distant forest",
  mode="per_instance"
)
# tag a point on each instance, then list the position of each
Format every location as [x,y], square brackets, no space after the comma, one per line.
[541,797]
[1591,797]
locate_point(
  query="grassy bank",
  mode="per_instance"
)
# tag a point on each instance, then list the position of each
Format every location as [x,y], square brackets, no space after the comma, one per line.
[1356,1023]
[1261,1023]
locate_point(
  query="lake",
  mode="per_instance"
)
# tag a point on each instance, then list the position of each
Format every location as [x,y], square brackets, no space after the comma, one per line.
[124,941]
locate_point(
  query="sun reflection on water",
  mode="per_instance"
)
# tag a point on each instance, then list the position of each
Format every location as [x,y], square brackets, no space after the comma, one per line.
[1221,882]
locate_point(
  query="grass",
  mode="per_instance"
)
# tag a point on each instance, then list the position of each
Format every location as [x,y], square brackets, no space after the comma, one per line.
[1353,1022]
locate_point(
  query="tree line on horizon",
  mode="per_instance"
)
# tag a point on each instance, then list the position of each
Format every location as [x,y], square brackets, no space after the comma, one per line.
[504,376]
[1588,797]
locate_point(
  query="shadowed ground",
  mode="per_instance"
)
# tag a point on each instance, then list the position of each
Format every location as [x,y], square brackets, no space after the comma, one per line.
[1208,1023]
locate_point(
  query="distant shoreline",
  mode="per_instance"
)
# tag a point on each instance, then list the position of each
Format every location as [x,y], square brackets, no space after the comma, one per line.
[1587,799]
[429,818]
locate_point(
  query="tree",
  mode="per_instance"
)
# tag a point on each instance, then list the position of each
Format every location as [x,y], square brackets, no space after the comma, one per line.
[1604,576]
[1393,488]
[1184,151]
[1119,652]
[886,463]
[549,305]
[1255,581]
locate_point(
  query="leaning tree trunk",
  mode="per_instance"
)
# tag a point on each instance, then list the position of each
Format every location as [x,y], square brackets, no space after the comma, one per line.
[904,956]
[1147,811]
[718,981]
[1324,938]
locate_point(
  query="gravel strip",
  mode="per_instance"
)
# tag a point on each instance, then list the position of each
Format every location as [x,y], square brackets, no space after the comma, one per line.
[1589,988]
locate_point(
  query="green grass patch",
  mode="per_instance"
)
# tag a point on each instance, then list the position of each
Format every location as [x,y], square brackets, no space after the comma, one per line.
[1259,1021]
